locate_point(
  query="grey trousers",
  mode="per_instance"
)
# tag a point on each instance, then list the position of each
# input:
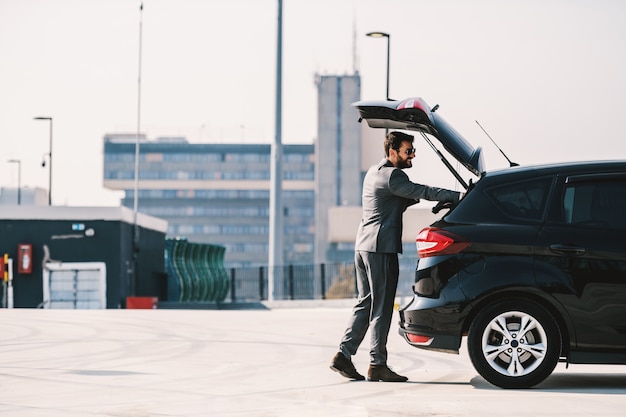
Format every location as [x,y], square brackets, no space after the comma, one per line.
[377,280]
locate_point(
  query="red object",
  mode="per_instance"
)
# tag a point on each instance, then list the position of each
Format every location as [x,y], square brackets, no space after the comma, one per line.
[146,303]
[2,268]
[432,241]
[414,338]
[413,103]
[24,258]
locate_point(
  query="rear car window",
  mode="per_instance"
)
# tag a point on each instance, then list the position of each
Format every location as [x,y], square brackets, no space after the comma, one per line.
[525,199]
[599,204]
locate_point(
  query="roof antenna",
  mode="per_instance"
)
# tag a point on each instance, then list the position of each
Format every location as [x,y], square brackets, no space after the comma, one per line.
[512,164]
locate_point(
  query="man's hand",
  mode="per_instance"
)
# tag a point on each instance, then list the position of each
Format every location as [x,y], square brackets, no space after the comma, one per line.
[443,205]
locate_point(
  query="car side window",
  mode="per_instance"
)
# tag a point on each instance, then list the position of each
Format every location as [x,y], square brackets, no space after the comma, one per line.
[526,199]
[598,204]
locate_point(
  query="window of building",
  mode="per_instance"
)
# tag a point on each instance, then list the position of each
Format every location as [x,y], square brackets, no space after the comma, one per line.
[247,157]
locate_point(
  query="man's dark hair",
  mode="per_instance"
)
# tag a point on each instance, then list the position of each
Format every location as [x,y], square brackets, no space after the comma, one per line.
[394,140]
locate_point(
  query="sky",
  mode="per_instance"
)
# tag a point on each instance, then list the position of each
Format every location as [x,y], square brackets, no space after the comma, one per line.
[545,78]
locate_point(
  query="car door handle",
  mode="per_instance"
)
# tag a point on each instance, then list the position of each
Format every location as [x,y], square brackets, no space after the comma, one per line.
[568,250]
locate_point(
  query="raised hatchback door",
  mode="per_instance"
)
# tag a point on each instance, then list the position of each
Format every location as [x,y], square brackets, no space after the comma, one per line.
[415,114]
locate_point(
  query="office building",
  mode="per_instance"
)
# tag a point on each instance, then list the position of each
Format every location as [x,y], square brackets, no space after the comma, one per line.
[338,167]
[218,193]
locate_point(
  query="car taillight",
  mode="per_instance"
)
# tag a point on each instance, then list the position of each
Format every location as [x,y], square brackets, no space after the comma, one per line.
[432,242]
[419,340]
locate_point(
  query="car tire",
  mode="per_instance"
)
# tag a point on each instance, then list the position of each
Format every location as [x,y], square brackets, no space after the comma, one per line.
[514,343]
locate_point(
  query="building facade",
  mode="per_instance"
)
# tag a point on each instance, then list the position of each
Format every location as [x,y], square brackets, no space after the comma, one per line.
[218,193]
[338,169]
[67,246]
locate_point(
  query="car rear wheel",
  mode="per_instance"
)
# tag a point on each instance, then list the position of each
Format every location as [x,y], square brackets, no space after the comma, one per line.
[514,343]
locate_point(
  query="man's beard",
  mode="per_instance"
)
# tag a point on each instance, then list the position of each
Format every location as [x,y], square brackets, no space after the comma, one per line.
[405,164]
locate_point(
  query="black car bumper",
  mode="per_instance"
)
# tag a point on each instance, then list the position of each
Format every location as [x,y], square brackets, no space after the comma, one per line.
[430,341]
[423,328]
[434,323]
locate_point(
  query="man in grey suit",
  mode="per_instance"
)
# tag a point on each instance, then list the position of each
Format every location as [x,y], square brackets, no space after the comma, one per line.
[387,192]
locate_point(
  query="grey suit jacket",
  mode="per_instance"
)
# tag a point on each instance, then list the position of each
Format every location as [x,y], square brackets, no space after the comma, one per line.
[387,192]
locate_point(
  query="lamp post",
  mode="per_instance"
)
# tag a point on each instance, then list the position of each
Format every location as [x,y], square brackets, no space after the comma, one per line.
[383,35]
[275,255]
[19,179]
[49,160]
[135,267]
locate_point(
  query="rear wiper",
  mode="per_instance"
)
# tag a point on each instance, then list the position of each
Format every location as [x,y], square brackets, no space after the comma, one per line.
[512,164]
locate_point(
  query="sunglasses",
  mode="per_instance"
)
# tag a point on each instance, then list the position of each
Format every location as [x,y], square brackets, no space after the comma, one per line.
[409,151]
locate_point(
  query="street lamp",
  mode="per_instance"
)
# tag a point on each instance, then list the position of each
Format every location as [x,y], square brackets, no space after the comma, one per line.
[19,179]
[50,160]
[383,35]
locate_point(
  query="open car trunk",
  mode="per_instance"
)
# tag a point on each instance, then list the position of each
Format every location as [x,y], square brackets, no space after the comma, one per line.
[415,114]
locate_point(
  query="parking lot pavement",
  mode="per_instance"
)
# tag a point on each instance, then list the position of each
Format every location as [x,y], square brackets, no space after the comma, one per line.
[263,362]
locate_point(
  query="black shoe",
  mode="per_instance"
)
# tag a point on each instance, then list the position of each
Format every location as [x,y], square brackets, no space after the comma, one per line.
[383,373]
[345,367]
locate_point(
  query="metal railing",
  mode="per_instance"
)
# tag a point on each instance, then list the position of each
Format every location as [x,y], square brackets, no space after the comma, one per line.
[308,282]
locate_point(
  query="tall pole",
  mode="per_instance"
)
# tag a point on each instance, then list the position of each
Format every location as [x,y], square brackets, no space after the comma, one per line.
[275,261]
[50,168]
[19,179]
[136,184]
[388,45]
[388,36]
[49,160]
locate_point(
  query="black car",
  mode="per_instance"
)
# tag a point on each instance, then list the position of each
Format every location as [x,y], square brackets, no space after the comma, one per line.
[530,265]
